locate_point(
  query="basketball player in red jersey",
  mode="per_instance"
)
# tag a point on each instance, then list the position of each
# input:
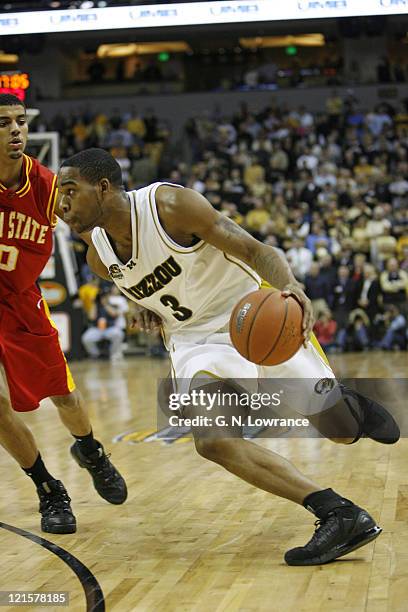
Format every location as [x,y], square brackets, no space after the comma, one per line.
[32,365]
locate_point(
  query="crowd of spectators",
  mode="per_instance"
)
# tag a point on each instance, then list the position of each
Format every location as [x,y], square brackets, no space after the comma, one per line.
[330,190]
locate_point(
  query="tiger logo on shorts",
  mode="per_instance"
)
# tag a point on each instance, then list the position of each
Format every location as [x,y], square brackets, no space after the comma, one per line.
[324,385]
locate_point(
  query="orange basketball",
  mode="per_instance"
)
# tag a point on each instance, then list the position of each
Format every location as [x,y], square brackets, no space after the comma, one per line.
[266,327]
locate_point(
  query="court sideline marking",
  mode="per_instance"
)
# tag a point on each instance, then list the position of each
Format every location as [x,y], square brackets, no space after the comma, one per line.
[95,600]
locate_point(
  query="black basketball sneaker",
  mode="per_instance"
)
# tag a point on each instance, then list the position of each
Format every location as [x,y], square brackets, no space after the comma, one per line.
[55,508]
[343,529]
[107,481]
[373,419]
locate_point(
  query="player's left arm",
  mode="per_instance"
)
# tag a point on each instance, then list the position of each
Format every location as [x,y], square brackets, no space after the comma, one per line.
[197,216]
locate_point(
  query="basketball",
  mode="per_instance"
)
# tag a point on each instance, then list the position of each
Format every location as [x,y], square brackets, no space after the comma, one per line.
[266,327]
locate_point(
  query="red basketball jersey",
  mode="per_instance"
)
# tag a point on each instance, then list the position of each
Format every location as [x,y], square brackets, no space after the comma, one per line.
[26,221]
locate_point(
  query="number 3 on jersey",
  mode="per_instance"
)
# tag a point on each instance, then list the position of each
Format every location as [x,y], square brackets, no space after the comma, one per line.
[8,257]
[179,312]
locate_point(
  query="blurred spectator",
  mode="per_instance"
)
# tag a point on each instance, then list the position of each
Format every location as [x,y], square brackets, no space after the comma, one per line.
[318,238]
[394,283]
[370,297]
[279,161]
[378,120]
[325,329]
[396,329]
[316,289]
[359,235]
[300,258]
[117,300]
[355,335]
[384,247]
[253,172]
[328,273]
[136,126]
[308,160]
[107,317]
[87,293]
[258,216]
[345,295]
[375,228]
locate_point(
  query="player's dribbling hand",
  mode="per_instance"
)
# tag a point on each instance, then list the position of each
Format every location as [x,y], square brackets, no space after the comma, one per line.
[308,316]
[146,320]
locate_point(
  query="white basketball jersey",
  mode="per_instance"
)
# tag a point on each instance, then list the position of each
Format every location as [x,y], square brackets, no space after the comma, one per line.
[193,289]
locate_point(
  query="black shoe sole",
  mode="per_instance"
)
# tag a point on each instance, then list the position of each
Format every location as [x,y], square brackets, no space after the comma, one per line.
[359,540]
[58,529]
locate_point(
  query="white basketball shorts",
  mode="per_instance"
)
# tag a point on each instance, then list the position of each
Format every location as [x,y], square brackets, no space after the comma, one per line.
[307,382]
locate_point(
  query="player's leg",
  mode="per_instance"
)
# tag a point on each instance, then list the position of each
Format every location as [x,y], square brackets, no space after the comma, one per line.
[87,451]
[18,441]
[253,463]
[343,526]
[15,437]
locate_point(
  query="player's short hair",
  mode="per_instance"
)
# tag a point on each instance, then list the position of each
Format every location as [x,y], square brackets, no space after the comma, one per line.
[11,100]
[94,165]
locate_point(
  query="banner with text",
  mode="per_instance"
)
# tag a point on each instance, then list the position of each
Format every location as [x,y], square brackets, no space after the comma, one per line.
[191,13]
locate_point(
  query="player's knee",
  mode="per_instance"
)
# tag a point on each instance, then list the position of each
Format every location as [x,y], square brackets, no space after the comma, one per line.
[70,401]
[217,450]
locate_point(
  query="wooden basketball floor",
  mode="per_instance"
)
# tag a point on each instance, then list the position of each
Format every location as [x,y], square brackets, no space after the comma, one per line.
[192,537]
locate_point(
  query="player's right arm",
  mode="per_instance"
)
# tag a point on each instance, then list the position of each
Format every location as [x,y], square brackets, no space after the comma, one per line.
[186,213]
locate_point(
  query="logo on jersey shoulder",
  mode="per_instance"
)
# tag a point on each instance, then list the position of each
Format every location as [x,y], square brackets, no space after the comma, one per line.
[156,280]
[115,271]
[131,264]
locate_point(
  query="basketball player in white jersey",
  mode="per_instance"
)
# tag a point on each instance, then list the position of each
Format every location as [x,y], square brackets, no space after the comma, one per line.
[171,252]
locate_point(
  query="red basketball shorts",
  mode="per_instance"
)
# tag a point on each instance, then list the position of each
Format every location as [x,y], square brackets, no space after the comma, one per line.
[30,352]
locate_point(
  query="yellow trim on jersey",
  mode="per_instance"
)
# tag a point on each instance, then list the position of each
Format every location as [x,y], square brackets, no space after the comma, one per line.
[27,185]
[242,268]
[70,380]
[319,349]
[266,285]
[27,165]
[52,200]
[209,374]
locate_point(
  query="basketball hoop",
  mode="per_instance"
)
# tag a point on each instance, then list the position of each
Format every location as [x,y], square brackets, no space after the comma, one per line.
[31,113]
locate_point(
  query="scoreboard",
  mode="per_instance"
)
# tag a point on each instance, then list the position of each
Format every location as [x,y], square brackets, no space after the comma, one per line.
[14,82]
